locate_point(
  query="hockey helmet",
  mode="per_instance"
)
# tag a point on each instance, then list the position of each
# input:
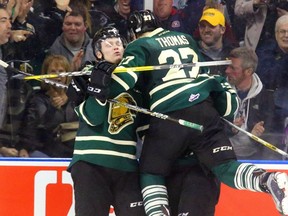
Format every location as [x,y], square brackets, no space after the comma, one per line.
[103,34]
[142,21]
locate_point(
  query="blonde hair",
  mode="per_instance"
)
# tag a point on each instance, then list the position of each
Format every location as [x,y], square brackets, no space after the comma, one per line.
[57,60]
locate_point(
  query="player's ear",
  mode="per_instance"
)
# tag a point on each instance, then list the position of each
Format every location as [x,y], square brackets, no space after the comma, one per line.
[99,55]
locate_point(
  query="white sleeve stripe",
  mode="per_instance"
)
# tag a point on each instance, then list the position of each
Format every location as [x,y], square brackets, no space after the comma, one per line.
[104,152]
[105,139]
[172,94]
[228,106]
[123,83]
[120,82]
[171,83]
[81,109]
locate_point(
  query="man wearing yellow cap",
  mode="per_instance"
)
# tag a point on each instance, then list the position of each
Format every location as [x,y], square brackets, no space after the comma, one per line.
[212,43]
[213,16]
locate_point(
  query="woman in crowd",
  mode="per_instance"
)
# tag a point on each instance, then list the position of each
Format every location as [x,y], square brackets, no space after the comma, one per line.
[41,134]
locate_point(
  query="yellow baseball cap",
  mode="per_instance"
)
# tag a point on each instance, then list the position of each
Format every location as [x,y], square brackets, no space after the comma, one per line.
[213,16]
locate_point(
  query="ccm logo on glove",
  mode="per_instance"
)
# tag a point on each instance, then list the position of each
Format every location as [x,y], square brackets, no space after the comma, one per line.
[92,89]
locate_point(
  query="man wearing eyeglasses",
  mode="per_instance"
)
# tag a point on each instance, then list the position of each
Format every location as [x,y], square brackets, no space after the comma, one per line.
[273,57]
[273,71]
[260,17]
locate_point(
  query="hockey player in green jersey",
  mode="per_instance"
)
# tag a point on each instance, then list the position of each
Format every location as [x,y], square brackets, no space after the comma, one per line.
[104,167]
[188,94]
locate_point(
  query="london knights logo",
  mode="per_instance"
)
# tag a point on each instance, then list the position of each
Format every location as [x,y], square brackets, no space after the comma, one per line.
[120,116]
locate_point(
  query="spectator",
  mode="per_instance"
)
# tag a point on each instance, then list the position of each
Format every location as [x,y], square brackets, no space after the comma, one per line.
[273,71]
[184,20]
[5,33]
[122,7]
[46,112]
[30,32]
[237,23]
[24,44]
[118,17]
[74,40]
[98,19]
[47,16]
[260,16]
[255,113]
[40,6]
[212,44]
[18,91]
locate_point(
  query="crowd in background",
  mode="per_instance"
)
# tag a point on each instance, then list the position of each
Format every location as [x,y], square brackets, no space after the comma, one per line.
[54,36]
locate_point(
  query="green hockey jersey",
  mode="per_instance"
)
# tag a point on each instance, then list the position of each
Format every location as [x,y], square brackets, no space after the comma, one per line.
[107,134]
[175,88]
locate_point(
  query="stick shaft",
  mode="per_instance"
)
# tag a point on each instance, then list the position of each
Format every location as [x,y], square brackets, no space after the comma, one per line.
[51,82]
[159,115]
[130,106]
[134,69]
[257,139]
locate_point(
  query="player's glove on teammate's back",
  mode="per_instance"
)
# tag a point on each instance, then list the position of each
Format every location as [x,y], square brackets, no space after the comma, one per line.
[100,80]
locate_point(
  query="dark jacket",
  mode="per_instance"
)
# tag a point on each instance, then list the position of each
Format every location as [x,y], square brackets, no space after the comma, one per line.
[221,55]
[39,126]
[273,71]
[186,19]
[272,66]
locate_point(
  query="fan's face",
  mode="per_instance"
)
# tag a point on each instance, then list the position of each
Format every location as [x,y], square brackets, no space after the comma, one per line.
[162,8]
[5,26]
[74,29]
[56,68]
[124,7]
[281,36]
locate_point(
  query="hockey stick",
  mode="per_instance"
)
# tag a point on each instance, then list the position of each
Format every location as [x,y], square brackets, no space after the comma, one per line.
[257,139]
[132,69]
[132,107]
[20,73]
[158,115]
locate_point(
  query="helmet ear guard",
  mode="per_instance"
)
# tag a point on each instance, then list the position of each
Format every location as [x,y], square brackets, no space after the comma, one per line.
[142,21]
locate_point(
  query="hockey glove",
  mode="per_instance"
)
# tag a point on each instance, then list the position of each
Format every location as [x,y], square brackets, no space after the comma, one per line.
[100,80]
[77,89]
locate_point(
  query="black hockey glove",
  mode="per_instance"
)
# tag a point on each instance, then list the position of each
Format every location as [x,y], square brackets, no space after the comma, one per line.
[76,91]
[100,80]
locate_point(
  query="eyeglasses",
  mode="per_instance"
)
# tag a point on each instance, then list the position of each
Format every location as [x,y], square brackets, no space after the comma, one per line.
[282,32]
